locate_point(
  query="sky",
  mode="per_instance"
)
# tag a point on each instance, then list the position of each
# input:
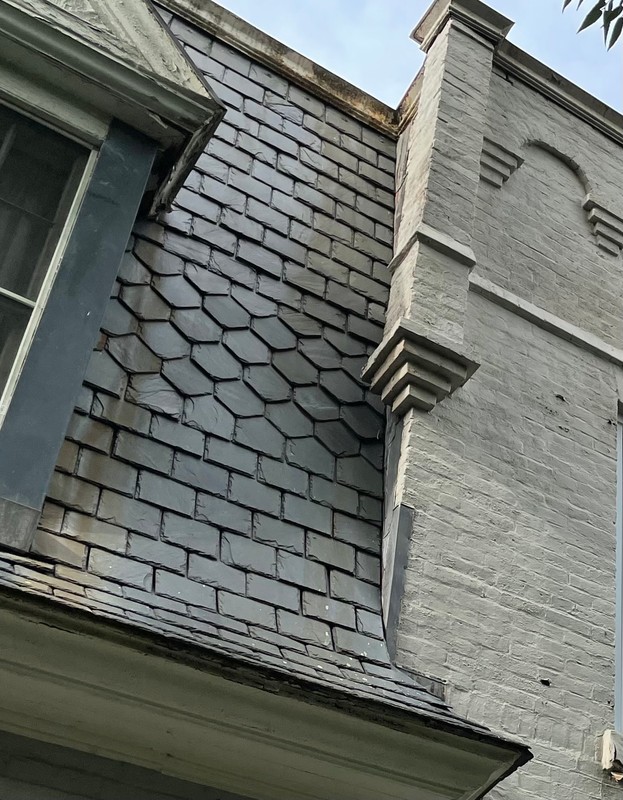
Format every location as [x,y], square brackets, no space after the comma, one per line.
[367,41]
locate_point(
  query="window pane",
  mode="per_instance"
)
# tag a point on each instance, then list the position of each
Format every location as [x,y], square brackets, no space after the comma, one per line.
[22,241]
[13,320]
[39,174]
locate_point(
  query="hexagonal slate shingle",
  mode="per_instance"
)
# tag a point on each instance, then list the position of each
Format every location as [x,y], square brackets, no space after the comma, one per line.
[226,311]
[177,291]
[205,280]
[337,438]
[295,368]
[216,361]
[346,344]
[164,340]
[207,414]
[316,403]
[341,386]
[155,393]
[254,303]
[259,434]
[321,353]
[363,421]
[268,383]
[239,399]
[196,326]
[145,303]
[289,419]
[133,354]
[247,347]
[188,379]
[276,335]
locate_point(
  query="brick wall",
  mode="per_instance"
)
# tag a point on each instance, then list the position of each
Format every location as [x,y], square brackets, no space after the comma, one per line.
[510,586]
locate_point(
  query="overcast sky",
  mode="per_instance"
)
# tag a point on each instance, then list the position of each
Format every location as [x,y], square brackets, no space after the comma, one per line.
[367,41]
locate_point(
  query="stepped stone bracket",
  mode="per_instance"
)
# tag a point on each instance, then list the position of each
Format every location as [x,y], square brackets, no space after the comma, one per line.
[497,163]
[608,227]
[410,369]
[611,754]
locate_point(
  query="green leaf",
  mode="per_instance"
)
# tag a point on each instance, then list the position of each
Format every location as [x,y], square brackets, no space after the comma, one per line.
[593,15]
[616,32]
[566,3]
[609,16]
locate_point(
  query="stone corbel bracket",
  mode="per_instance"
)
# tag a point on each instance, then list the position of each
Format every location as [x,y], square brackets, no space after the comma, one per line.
[608,228]
[612,754]
[497,163]
[410,369]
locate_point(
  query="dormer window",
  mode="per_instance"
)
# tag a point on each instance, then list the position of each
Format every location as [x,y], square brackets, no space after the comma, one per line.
[102,116]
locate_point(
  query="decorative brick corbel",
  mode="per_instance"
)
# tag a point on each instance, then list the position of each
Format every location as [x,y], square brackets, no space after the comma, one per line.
[414,369]
[608,227]
[612,754]
[497,163]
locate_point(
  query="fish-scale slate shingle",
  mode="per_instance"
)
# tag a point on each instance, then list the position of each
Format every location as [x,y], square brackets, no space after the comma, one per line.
[224,480]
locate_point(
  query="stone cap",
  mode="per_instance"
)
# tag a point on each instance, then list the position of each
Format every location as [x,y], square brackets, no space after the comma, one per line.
[473,13]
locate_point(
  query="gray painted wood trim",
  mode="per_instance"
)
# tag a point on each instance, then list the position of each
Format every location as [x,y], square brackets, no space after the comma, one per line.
[38,416]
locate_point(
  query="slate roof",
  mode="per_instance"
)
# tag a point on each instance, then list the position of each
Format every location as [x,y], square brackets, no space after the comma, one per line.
[221,482]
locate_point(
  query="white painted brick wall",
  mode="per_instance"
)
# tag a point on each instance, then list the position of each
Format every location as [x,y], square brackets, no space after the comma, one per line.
[510,585]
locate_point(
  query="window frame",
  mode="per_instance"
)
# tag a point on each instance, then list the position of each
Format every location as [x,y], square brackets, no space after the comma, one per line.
[54,262]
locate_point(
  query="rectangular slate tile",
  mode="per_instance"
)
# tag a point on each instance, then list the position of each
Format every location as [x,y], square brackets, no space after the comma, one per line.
[362,646]
[143,451]
[95,531]
[274,592]
[200,474]
[59,548]
[128,513]
[252,556]
[281,534]
[157,553]
[217,574]
[351,590]
[90,432]
[307,630]
[301,571]
[248,492]
[232,456]
[248,610]
[188,533]
[330,551]
[328,610]
[185,590]
[73,493]
[310,515]
[223,514]
[166,493]
[120,569]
